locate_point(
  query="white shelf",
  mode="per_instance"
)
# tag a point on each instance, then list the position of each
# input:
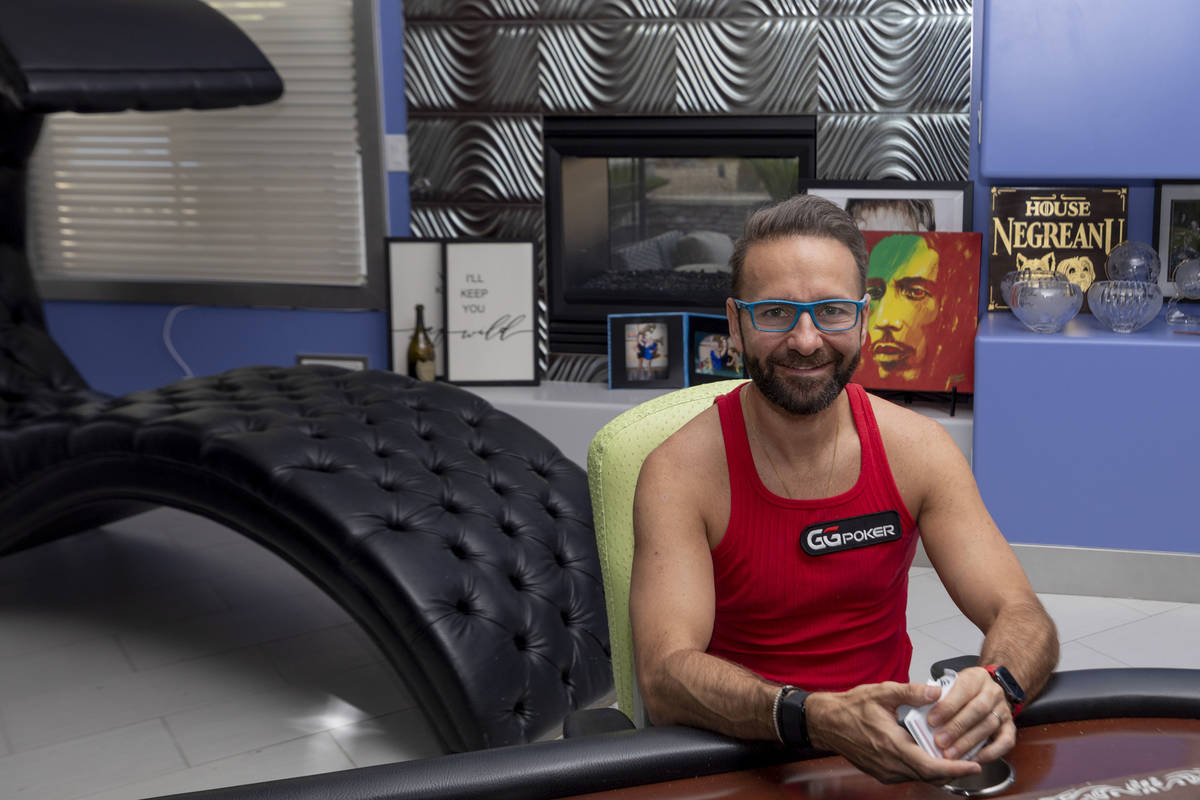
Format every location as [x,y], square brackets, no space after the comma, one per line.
[570,413]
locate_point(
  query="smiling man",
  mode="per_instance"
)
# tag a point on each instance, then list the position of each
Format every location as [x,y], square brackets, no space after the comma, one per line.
[769,587]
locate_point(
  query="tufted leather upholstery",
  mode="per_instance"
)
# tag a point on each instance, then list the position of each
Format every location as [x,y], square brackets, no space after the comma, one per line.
[459,537]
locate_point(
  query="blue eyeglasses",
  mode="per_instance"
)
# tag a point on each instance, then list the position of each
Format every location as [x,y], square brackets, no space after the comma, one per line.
[780,316]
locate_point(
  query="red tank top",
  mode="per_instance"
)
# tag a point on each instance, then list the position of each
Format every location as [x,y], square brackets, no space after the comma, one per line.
[813,592]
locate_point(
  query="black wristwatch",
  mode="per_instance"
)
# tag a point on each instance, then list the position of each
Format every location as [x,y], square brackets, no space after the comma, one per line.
[792,720]
[1013,692]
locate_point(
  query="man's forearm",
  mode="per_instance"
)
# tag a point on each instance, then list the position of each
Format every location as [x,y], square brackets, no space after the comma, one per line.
[1023,639]
[701,690]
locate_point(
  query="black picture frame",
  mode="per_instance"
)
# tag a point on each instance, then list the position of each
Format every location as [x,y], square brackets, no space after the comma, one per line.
[490,312]
[704,334]
[628,368]
[1175,201]
[951,202]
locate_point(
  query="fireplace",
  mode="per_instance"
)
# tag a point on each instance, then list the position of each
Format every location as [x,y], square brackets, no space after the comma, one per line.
[642,212]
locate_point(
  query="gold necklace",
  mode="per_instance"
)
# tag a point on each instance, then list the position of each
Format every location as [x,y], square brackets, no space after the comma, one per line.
[837,429]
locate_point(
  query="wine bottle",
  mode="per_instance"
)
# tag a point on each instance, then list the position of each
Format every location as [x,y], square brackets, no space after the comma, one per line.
[422,358]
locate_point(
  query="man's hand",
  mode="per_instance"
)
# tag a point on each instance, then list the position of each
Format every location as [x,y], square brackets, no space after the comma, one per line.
[861,725]
[974,710]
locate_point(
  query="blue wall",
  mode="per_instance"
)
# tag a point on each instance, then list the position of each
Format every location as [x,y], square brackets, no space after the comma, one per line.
[119,347]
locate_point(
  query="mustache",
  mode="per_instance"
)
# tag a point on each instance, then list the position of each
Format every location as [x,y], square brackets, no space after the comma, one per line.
[795,361]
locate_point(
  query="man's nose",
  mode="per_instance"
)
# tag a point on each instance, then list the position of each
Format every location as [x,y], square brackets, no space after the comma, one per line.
[805,336]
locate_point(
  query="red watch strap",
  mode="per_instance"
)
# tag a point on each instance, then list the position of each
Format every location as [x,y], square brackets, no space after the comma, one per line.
[1016,707]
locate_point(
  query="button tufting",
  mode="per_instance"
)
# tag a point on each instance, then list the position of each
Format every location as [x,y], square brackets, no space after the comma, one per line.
[519,641]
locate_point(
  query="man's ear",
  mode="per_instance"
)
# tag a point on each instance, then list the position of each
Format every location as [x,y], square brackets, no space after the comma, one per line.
[735,330]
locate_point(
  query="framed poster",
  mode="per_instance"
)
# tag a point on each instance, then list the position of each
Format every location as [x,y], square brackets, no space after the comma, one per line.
[646,351]
[711,355]
[900,205]
[924,309]
[1176,227]
[414,269]
[490,320]
[1067,229]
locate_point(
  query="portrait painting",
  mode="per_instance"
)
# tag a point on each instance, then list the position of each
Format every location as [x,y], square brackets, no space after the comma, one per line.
[923,313]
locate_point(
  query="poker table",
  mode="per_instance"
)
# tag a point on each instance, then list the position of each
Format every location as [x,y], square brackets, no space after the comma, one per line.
[1091,735]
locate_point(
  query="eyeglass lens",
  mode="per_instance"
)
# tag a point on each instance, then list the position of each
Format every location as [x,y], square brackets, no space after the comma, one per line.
[830,316]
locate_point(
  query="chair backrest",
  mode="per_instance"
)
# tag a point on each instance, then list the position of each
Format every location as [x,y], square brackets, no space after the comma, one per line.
[614,461]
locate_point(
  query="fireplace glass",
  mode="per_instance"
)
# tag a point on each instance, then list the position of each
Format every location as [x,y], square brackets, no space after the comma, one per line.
[639,221]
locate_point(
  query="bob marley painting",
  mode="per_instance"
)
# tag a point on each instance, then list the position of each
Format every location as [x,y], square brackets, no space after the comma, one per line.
[924,293]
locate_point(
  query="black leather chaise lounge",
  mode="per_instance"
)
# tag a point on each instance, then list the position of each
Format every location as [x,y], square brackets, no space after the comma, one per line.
[457,536]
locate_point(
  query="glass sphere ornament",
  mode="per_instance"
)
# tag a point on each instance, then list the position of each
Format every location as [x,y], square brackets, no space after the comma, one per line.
[1132,261]
[1187,279]
[1044,305]
[1010,279]
[1125,306]
[1184,307]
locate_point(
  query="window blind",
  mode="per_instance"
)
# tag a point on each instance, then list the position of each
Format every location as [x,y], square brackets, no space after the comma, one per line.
[269,194]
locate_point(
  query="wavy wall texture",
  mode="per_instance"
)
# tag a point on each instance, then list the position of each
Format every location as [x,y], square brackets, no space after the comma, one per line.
[747,66]
[889,81]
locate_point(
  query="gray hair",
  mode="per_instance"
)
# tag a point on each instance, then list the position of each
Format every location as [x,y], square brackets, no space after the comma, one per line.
[799,215]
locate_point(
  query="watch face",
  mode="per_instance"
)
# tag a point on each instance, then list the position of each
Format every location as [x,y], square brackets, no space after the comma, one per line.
[1009,684]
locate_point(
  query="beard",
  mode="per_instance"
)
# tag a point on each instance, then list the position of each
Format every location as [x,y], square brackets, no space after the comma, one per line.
[802,395]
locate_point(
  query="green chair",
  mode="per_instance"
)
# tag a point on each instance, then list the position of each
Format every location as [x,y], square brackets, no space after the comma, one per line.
[614,461]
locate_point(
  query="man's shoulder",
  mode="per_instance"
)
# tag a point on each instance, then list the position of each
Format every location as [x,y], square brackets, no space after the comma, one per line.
[906,432]
[697,446]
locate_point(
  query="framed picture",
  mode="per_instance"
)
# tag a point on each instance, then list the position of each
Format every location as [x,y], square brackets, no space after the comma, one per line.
[942,206]
[921,321]
[711,356]
[415,277]
[646,351]
[1064,229]
[490,320]
[1176,226]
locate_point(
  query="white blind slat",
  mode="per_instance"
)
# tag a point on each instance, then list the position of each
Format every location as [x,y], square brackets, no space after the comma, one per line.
[267,193]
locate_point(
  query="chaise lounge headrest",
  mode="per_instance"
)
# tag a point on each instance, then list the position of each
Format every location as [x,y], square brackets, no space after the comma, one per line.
[118,55]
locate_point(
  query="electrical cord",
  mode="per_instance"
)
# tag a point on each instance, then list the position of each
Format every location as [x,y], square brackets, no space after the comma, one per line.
[166,334]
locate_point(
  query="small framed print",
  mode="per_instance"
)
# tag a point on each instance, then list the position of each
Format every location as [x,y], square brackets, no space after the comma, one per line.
[490,319]
[646,351]
[415,277]
[900,205]
[711,355]
[1176,226]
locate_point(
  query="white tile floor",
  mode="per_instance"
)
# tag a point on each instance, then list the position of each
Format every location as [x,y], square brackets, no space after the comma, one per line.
[167,654]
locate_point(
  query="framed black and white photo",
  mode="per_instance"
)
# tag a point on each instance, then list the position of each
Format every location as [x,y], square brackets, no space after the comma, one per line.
[711,354]
[1176,227]
[943,206]
[490,317]
[646,351]
[415,277]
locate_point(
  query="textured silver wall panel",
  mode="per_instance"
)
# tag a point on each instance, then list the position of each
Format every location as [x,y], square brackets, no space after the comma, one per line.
[747,8]
[908,64]
[491,221]
[618,68]
[477,66]
[451,10]
[930,147]
[608,9]
[908,8]
[476,159]
[766,66]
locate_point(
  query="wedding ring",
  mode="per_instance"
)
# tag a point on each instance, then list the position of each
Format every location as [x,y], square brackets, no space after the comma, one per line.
[999,718]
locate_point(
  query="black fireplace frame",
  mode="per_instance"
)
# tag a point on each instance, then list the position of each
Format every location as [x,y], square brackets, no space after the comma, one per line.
[580,327]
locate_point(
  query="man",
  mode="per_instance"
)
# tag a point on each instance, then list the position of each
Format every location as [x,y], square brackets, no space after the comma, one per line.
[774,534]
[915,316]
